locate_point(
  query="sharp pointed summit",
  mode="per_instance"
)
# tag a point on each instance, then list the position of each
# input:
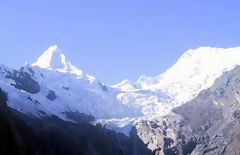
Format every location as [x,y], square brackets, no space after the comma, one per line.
[54,59]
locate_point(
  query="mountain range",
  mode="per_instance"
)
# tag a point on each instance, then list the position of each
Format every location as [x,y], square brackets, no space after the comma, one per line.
[192,108]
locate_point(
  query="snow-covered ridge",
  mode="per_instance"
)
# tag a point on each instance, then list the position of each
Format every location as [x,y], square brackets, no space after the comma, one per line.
[196,70]
[200,66]
[53,86]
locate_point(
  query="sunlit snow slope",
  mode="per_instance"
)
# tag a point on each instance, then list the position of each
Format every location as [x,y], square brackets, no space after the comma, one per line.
[60,88]
[195,71]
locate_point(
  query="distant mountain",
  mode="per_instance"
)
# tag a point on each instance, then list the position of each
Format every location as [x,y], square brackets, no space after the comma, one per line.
[195,71]
[209,124]
[53,86]
[163,114]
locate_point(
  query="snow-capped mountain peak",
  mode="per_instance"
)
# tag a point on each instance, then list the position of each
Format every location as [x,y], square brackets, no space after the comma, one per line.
[196,70]
[51,58]
[54,59]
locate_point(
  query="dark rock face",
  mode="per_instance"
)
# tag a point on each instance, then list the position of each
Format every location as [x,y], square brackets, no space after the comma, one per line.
[24,80]
[79,117]
[14,135]
[215,118]
[66,88]
[103,86]
[3,99]
[139,148]
[51,95]
[25,135]
[236,114]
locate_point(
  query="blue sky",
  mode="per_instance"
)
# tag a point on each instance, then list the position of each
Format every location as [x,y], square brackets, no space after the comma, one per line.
[116,39]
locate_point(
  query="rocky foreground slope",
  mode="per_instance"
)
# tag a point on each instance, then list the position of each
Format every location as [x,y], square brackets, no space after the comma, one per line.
[23,134]
[209,124]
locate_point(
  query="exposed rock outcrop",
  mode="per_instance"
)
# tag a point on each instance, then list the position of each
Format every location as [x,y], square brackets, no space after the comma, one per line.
[51,95]
[207,125]
[24,80]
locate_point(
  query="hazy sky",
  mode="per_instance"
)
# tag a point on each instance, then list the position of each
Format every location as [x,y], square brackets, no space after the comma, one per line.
[116,39]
